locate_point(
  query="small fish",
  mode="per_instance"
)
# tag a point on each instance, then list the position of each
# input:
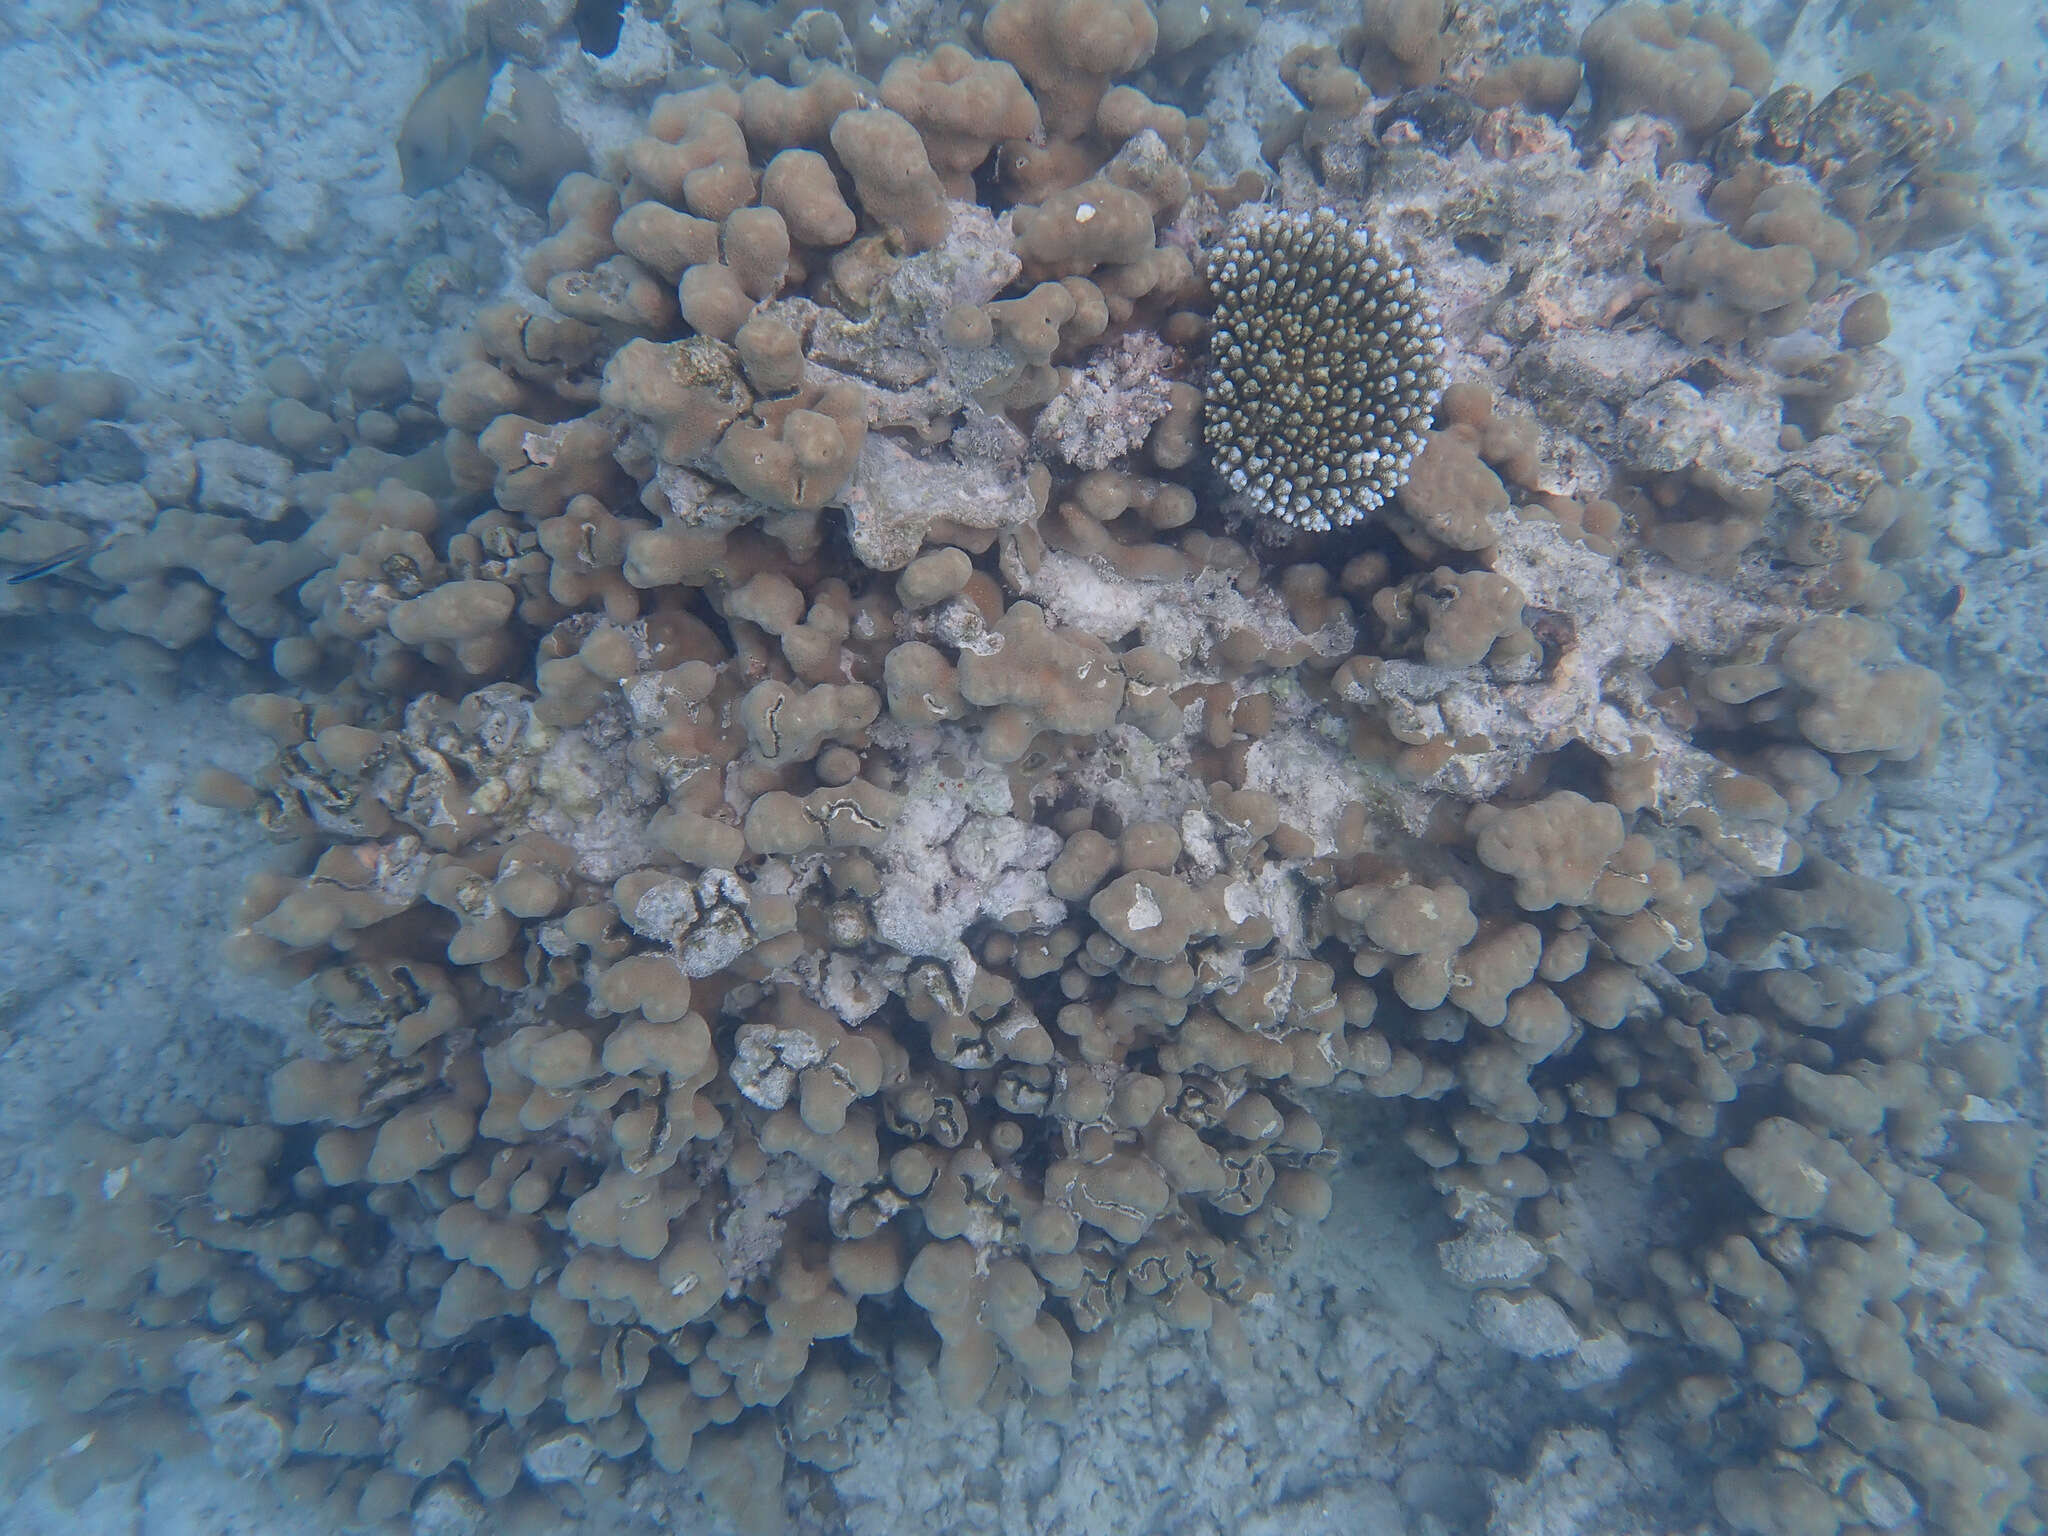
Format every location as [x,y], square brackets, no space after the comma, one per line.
[440,127]
[55,563]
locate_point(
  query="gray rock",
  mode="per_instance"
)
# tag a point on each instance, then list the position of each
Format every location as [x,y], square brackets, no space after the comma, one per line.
[563,1457]
[239,480]
[1528,1323]
[246,1440]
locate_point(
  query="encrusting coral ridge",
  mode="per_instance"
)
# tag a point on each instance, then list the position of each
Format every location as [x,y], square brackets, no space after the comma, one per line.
[937,673]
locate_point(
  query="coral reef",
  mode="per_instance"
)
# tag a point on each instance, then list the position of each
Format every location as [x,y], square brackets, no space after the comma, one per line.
[826,855]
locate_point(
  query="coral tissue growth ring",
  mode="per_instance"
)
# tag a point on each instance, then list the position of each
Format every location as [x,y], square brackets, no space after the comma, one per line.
[1325,367]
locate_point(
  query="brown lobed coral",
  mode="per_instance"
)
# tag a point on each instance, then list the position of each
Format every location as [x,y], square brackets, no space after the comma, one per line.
[823,857]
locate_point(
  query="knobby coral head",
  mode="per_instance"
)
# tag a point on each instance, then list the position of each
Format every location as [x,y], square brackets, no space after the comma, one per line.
[1325,367]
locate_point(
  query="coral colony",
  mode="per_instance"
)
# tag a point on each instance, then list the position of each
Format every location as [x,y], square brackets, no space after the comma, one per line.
[1324,368]
[825,823]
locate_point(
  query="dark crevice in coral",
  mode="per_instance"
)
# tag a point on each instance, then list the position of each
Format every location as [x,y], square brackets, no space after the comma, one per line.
[598,23]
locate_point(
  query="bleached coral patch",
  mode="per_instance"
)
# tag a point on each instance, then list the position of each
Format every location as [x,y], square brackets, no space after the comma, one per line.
[99,166]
